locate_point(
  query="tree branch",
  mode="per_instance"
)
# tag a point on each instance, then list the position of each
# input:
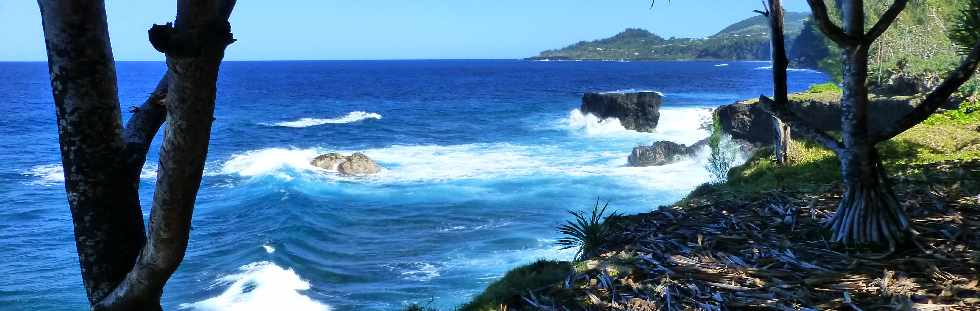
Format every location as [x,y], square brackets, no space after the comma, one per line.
[192,78]
[935,99]
[827,26]
[143,126]
[799,125]
[885,21]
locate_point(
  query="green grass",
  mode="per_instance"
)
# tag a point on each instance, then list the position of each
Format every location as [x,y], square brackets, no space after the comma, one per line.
[509,289]
[830,87]
[952,135]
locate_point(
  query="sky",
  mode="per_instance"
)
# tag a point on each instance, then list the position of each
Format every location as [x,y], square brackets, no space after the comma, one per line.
[390,29]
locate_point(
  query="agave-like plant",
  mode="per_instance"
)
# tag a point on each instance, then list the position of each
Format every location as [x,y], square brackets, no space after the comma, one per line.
[589,233]
[966,27]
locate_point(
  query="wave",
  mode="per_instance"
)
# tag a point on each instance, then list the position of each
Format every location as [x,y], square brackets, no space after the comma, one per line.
[680,125]
[416,271]
[788,69]
[351,117]
[495,161]
[260,286]
[721,65]
[54,174]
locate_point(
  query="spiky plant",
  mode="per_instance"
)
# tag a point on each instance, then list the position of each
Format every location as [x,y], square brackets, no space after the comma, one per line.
[966,27]
[588,233]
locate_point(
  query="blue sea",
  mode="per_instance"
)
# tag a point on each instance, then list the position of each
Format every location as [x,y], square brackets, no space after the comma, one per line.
[482,159]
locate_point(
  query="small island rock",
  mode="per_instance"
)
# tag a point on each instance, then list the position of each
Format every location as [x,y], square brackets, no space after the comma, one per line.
[329,161]
[357,164]
[638,111]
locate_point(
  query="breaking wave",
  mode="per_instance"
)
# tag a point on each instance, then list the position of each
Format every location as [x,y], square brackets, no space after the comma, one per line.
[260,286]
[351,117]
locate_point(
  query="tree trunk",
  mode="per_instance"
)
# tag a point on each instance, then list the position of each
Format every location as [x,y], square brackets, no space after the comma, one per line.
[121,268]
[780,88]
[781,141]
[102,194]
[869,212]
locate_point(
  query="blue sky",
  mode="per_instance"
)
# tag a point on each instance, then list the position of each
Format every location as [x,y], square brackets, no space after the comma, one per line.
[389,29]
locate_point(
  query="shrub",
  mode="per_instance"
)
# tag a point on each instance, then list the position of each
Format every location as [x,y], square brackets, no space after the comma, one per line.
[590,234]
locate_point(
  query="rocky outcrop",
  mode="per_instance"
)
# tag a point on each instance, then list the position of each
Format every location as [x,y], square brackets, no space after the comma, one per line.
[747,121]
[357,164]
[638,111]
[662,153]
[329,161]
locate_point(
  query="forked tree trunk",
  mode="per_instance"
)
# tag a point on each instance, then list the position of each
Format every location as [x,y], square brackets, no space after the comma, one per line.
[869,212]
[123,267]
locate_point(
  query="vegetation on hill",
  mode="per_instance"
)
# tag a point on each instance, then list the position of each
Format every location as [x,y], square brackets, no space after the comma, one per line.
[745,40]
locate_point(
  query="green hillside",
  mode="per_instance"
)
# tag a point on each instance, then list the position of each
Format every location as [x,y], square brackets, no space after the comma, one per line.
[744,40]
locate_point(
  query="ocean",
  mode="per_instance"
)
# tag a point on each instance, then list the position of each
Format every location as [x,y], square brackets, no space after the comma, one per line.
[482,160]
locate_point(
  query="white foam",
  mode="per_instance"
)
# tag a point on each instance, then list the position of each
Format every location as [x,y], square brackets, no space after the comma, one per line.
[269,161]
[788,69]
[593,125]
[54,174]
[269,249]
[421,271]
[351,117]
[489,161]
[260,286]
[47,174]
[721,65]
[680,125]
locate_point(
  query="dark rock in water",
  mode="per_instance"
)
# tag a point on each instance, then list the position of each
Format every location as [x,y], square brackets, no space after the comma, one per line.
[662,153]
[353,165]
[745,120]
[638,111]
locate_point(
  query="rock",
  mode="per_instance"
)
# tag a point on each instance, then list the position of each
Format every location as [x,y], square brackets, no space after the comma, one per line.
[638,111]
[359,164]
[354,165]
[329,161]
[747,121]
[662,153]
[902,83]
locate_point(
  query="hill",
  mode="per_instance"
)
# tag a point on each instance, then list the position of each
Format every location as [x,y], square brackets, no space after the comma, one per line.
[744,40]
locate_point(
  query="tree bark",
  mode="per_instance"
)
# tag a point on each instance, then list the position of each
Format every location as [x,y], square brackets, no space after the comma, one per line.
[869,212]
[102,194]
[780,63]
[123,269]
[194,46]
[782,140]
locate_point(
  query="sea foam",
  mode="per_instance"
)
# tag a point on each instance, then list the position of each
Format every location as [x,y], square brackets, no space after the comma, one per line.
[351,117]
[494,161]
[679,125]
[260,286]
[54,174]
